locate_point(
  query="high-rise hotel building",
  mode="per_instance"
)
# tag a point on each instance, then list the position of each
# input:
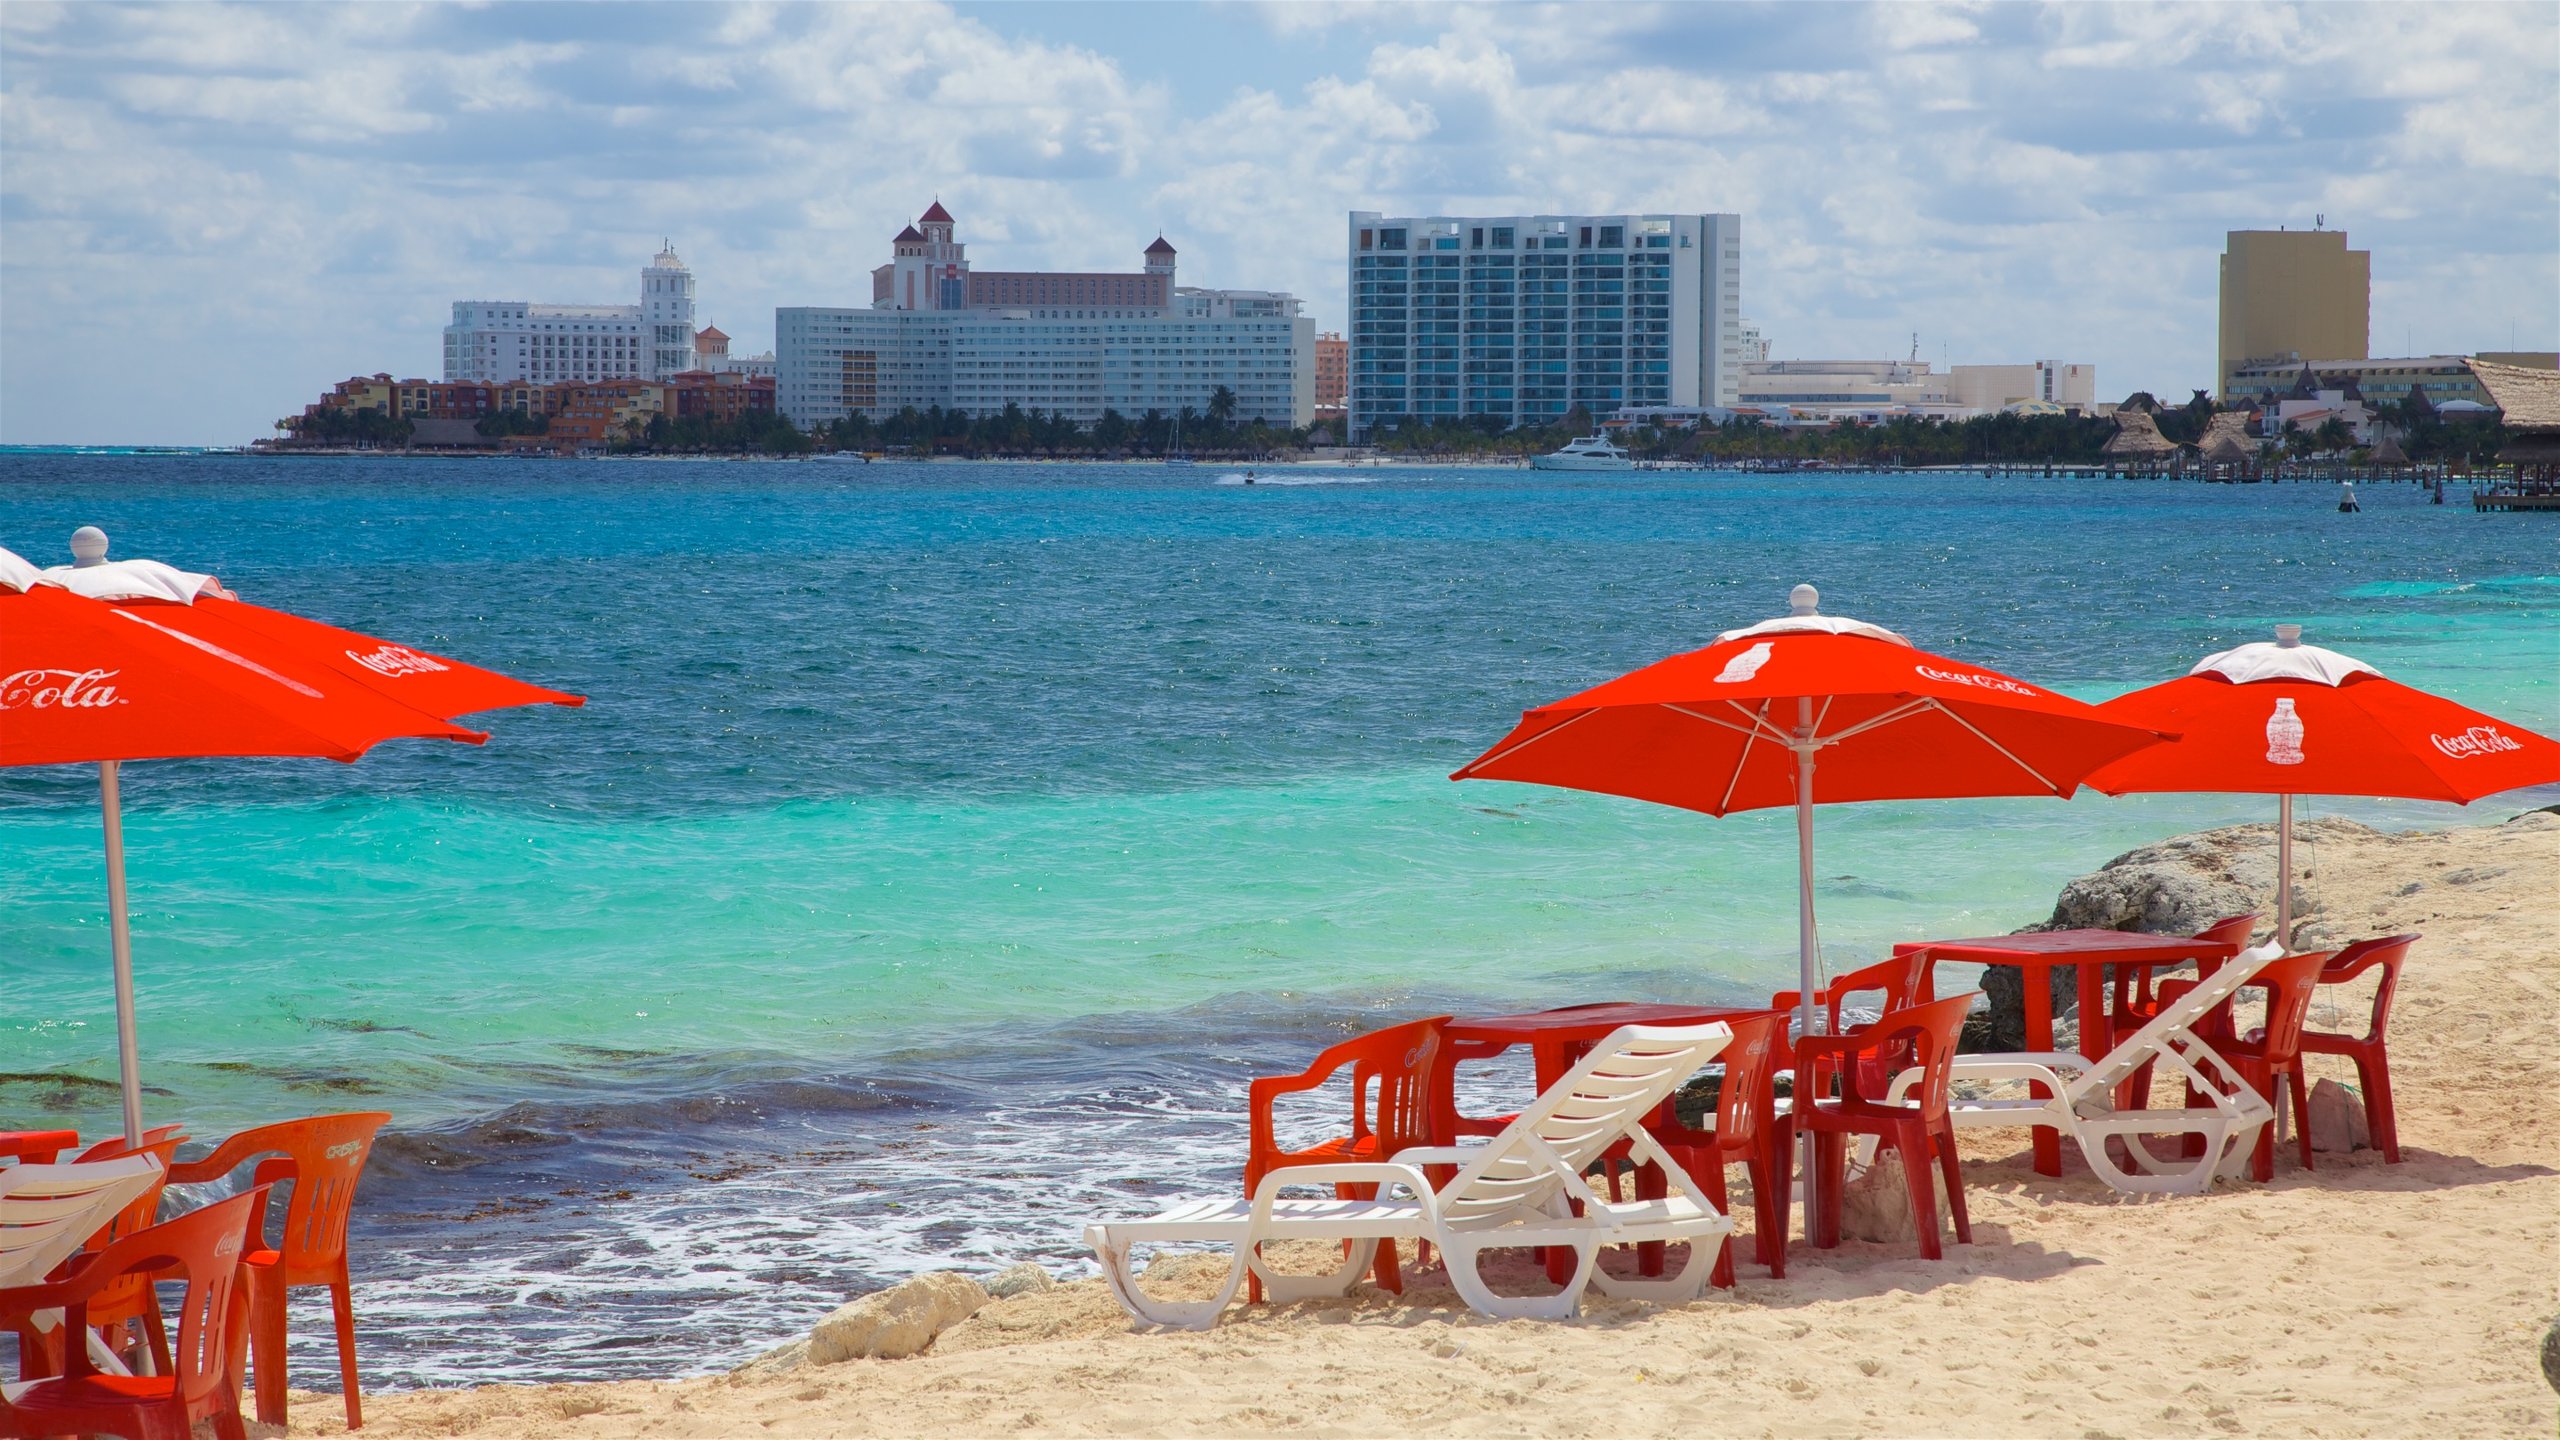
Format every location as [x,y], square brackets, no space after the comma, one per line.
[503,340]
[1072,343]
[1523,317]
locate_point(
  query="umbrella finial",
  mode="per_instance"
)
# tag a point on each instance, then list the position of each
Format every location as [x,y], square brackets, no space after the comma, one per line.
[2288,636]
[88,547]
[1804,600]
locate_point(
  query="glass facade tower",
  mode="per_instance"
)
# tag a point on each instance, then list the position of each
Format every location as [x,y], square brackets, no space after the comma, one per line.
[1523,317]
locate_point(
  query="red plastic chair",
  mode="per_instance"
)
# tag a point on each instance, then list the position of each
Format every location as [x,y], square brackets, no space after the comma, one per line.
[1918,1128]
[2270,1055]
[1747,1131]
[130,1298]
[1901,982]
[2373,1064]
[323,1157]
[1390,1111]
[203,1247]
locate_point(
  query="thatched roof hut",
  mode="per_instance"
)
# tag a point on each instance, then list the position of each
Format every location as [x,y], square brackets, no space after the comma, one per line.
[2226,440]
[2389,452]
[2138,437]
[2528,404]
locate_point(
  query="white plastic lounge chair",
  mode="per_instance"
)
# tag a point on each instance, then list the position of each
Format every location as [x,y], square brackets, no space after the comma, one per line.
[1513,1190]
[2083,1103]
[47,1212]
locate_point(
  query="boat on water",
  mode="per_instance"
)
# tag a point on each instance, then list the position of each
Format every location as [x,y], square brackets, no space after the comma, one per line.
[1591,452]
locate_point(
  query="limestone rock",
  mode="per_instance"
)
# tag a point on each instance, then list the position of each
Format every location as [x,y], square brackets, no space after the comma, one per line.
[779,1360]
[2337,1118]
[897,1322]
[1023,1279]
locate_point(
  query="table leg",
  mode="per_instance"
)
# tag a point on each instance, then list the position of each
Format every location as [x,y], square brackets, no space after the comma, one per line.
[2039,1018]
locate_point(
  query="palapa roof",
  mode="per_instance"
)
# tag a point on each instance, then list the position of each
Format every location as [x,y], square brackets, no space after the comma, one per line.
[2389,452]
[2529,399]
[2137,434]
[2226,439]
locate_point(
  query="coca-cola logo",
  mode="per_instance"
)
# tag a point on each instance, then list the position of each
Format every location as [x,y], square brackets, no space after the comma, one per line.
[397,660]
[1973,678]
[2477,741]
[59,690]
[343,1150]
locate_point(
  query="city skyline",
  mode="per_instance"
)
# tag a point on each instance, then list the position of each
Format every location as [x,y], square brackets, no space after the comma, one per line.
[230,208]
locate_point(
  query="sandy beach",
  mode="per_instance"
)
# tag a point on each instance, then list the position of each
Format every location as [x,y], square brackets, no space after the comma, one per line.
[2360,1299]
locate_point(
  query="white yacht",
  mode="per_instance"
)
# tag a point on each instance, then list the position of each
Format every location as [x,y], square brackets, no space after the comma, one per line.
[1591,452]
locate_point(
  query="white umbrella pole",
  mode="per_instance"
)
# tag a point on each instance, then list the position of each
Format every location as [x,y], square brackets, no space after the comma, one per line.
[120,940]
[1808,971]
[2284,872]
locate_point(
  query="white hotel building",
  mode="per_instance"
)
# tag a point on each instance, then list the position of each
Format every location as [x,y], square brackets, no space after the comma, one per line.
[1523,317]
[504,340]
[1067,343]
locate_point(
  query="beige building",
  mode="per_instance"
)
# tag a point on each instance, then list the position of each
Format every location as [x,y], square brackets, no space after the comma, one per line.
[1997,387]
[2292,292]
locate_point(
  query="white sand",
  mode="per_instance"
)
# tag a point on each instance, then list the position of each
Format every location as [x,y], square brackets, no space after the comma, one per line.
[2360,1299]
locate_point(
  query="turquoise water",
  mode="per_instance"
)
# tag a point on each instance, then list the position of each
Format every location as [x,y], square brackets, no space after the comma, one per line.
[1037,806]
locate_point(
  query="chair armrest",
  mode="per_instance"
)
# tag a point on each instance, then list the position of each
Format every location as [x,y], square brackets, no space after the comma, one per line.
[1436,1155]
[1370,1172]
[225,1158]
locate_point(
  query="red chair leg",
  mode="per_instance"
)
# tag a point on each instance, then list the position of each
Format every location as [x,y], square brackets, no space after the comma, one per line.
[1707,1168]
[342,1299]
[1911,1144]
[2373,1069]
[265,1284]
[1945,1144]
[1830,1167]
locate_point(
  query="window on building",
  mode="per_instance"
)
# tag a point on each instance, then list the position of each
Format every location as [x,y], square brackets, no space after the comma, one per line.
[1501,237]
[1586,237]
[1391,239]
[1613,237]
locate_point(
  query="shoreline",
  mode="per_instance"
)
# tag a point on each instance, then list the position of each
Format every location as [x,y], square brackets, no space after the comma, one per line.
[2285,1312]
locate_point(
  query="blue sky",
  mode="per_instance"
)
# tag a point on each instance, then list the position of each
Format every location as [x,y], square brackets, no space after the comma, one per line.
[210,213]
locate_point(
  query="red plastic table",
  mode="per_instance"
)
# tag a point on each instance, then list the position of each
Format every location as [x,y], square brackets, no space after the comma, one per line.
[1557,1039]
[2087,951]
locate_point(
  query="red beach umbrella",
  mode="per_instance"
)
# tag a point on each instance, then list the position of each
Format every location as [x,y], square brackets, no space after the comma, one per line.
[2289,719]
[113,662]
[1807,710]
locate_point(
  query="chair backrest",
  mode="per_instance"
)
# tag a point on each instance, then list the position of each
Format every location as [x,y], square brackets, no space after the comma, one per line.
[47,1211]
[1604,1098]
[2289,983]
[2177,1016]
[326,1155]
[2231,930]
[36,1147]
[1921,1037]
[2386,951]
[202,1247]
[1390,1083]
[1747,1102]
[1902,981]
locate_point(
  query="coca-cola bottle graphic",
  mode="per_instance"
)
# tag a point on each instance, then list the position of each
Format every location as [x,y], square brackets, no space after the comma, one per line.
[1745,665]
[2284,735]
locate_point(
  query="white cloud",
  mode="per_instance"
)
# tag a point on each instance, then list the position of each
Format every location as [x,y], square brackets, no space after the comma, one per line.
[240,204]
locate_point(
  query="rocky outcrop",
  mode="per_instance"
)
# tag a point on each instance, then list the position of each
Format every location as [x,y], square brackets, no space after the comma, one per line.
[2176,887]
